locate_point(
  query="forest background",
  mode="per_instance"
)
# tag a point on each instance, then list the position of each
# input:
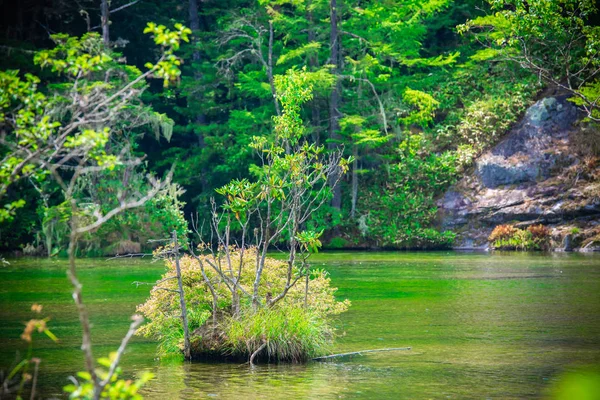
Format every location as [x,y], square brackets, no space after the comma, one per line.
[396,87]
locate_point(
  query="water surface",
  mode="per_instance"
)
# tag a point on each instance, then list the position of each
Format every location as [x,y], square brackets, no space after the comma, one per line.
[480,326]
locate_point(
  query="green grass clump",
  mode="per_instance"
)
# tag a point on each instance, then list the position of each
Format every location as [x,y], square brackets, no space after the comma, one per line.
[289,334]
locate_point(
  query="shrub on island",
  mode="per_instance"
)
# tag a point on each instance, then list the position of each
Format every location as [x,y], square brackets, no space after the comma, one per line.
[295,328]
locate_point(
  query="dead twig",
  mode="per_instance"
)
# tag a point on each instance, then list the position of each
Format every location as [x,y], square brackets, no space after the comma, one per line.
[361,353]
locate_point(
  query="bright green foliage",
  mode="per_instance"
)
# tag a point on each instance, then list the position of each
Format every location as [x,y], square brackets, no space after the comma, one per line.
[74,56]
[167,68]
[581,383]
[81,136]
[589,92]
[404,72]
[9,210]
[116,389]
[290,334]
[309,240]
[553,39]
[293,90]
[402,208]
[383,60]
[425,106]
[292,170]
[21,102]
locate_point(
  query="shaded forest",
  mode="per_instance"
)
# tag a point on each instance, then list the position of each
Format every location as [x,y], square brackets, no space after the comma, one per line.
[411,92]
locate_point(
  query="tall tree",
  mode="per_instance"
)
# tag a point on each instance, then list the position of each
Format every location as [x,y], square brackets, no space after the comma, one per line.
[336,95]
[105,22]
[200,117]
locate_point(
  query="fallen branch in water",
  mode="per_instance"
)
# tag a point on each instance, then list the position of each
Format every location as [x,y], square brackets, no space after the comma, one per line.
[361,352]
[130,255]
[262,346]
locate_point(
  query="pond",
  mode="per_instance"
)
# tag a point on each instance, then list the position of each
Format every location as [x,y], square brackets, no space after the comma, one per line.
[479,325]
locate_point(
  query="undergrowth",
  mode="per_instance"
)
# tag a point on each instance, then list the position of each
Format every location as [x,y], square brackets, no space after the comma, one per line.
[509,237]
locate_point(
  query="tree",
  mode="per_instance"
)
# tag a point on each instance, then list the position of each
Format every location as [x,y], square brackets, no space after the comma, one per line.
[335,59]
[291,185]
[73,134]
[386,52]
[245,285]
[553,39]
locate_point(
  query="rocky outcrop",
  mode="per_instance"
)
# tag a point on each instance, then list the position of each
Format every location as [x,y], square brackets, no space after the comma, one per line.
[532,176]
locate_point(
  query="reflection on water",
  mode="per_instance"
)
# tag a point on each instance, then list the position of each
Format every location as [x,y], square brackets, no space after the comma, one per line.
[480,326]
[241,381]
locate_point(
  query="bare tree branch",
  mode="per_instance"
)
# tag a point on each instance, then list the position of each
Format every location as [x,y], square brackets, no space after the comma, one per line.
[137,321]
[124,6]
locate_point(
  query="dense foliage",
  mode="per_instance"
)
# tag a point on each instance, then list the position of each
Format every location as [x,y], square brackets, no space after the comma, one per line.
[396,87]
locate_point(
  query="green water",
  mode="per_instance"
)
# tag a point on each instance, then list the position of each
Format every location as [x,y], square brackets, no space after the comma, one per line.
[480,326]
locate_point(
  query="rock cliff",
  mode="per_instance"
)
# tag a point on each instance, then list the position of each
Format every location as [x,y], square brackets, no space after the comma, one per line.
[537,174]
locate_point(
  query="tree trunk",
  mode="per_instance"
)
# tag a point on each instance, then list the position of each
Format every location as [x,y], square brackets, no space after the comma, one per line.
[196,57]
[194,22]
[86,341]
[313,62]
[270,69]
[335,101]
[105,12]
[184,319]
[262,247]
[306,282]
[272,80]
[354,181]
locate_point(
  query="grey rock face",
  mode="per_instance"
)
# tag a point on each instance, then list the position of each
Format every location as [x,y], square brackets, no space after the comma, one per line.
[551,113]
[495,171]
[523,180]
[526,154]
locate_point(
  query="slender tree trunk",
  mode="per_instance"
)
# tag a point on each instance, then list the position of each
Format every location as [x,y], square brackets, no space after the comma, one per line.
[211,288]
[354,181]
[306,282]
[184,319]
[292,256]
[105,21]
[335,100]
[86,341]
[263,247]
[47,235]
[270,69]
[194,23]
[196,57]
[313,62]
[271,78]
